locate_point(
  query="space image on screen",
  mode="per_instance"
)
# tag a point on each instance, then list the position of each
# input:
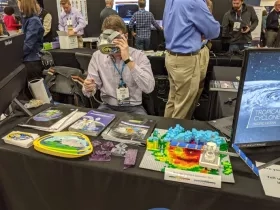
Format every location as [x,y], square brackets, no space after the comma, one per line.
[257,116]
[126,11]
[126,8]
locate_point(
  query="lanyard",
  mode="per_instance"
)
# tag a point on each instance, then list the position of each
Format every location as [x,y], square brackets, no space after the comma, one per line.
[122,84]
[240,18]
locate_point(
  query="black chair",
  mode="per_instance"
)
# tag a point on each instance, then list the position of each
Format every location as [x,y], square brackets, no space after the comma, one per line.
[83,59]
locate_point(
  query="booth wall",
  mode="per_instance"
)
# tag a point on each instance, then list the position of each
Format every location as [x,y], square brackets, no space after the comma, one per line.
[156,7]
[94,9]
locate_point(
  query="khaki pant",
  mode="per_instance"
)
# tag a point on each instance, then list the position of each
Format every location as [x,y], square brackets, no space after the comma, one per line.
[204,57]
[184,75]
[80,42]
[271,38]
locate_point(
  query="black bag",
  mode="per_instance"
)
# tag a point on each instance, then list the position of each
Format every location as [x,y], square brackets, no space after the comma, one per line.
[46,59]
[65,85]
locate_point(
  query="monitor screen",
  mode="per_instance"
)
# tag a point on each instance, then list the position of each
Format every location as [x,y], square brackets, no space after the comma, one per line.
[257,113]
[126,8]
[11,51]
[159,22]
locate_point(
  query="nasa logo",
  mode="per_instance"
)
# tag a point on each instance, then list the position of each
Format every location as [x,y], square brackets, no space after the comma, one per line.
[106,50]
[8,42]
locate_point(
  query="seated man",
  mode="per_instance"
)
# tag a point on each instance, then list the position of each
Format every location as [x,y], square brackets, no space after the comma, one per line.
[121,77]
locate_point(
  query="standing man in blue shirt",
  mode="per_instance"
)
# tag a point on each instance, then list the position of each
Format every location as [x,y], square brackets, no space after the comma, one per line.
[204,57]
[144,20]
[185,23]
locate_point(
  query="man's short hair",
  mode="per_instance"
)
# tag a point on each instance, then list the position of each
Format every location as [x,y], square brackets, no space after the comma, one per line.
[115,23]
[109,1]
[142,3]
[63,2]
[210,5]
[9,10]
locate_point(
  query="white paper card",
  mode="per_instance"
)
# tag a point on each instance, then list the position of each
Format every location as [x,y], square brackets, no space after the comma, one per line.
[206,180]
[236,26]
[270,178]
[122,94]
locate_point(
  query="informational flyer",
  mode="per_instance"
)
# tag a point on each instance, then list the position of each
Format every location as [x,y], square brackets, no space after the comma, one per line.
[270,178]
[78,4]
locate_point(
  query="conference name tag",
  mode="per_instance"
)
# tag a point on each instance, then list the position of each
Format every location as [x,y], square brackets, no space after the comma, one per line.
[236,26]
[122,94]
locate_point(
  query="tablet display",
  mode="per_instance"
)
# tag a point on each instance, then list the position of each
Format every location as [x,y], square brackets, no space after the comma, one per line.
[257,114]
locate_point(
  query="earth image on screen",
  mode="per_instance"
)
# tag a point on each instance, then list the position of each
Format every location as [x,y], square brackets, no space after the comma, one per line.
[260,94]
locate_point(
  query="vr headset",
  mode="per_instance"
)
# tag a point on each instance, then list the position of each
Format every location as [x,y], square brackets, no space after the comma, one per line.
[105,44]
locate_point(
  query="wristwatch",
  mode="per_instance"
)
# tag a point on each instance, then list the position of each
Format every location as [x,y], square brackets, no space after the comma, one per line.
[128,60]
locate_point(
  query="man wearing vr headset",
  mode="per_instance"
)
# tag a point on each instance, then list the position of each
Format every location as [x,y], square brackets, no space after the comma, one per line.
[120,73]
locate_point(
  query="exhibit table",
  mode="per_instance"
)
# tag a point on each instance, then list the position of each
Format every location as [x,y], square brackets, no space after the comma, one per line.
[34,181]
[218,107]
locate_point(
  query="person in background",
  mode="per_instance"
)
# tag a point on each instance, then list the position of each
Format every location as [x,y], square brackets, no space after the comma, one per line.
[46,20]
[238,23]
[204,57]
[107,11]
[10,22]
[144,20]
[33,39]
[185,22]
[72,21]
[272,25]
[3,30]
[128,72]
[264,17]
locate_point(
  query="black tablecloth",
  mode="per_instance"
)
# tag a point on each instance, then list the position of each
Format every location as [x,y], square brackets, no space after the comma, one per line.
[218,108]
[34,181]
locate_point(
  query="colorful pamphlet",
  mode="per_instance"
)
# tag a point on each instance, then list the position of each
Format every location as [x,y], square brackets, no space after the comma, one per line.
[228,86]
[54,119]
[64,144]
[21,139]
[49,117]
[130,130]
[93,123]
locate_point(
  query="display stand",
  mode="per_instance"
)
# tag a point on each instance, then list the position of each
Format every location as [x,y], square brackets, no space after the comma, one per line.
[270,163]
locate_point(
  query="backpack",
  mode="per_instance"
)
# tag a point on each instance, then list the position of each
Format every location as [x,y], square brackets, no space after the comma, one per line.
[65,85]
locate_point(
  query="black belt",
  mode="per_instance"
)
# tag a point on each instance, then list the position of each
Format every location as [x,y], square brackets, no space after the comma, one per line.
[182,54]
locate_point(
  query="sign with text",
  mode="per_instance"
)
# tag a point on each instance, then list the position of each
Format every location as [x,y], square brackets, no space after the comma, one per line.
[264,117]
[207,180]
[256,34]
[270,178]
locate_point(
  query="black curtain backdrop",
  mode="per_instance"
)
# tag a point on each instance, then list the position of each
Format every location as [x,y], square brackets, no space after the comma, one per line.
[156,7]
[94,8]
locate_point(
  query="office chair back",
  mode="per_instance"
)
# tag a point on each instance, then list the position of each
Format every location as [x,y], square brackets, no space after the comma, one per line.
[83,59]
